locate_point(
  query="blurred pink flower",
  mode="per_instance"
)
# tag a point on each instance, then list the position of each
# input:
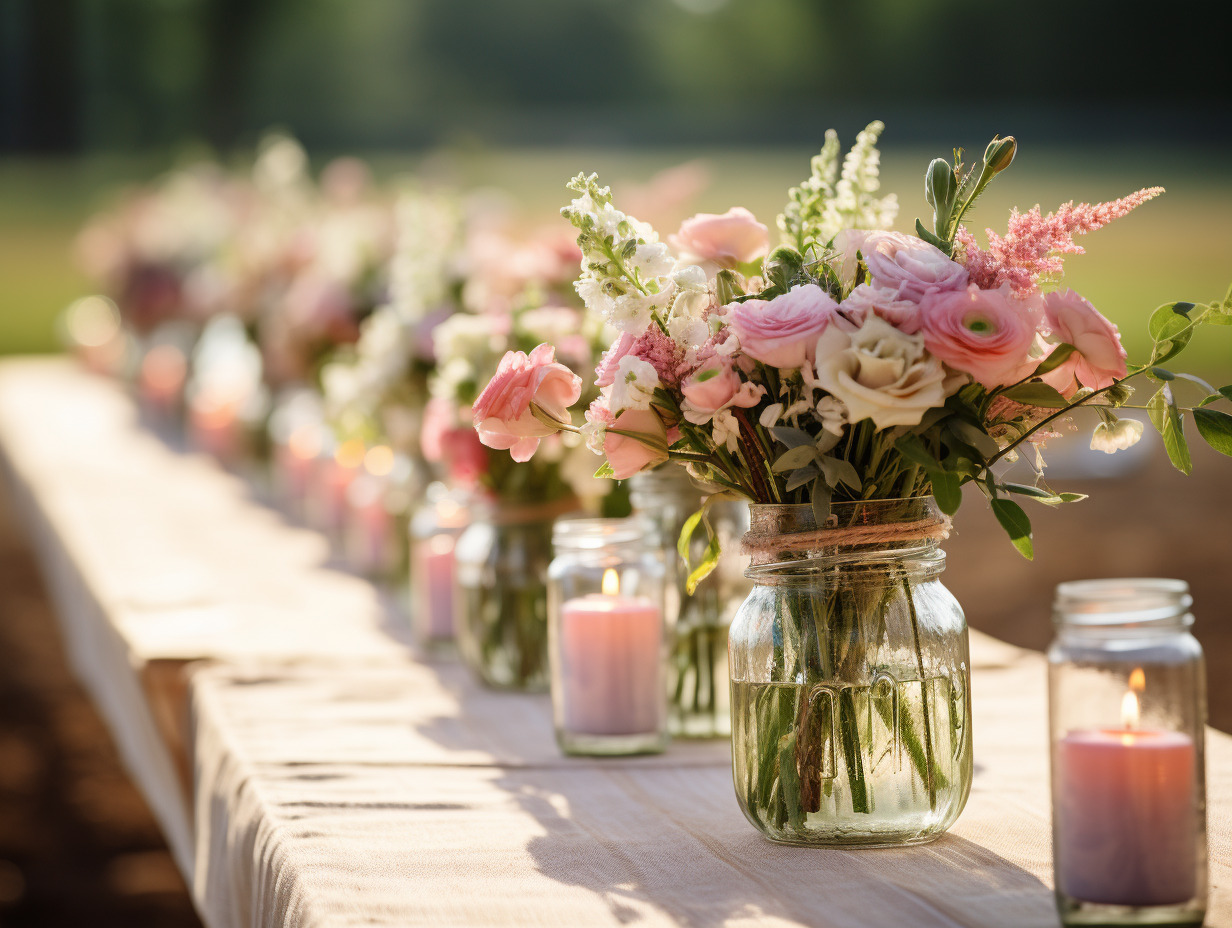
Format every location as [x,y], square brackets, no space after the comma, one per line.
[727,239]
[502,414]
[985,333]
[902,313]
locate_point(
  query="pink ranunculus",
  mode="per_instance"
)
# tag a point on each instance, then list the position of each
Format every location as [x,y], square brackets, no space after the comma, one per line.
[910,265]
[502,414]
[985,333]
[783,332]
[903,314]
[734,237]
[628,456]
[1099,360]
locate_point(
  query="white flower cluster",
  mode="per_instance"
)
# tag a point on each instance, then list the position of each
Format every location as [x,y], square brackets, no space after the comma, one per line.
[829,202]
[427,233]
[626,271]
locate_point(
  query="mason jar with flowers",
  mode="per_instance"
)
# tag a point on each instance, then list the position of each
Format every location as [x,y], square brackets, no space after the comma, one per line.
[848,385]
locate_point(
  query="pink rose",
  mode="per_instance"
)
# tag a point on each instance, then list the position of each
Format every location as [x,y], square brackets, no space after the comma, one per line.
[903,314]
[985,333]
[628,456]
[910,265]
[503,416]
[1099,359]
[735,237]
[715,385]
[783,332]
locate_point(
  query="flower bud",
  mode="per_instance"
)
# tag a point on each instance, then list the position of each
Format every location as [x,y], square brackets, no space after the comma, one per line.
[999,154]
[940,186]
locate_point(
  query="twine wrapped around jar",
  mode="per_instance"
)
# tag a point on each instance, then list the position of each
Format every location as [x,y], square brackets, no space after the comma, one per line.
[873,522]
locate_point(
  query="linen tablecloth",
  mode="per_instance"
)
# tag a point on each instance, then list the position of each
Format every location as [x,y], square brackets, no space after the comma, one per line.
[326,776]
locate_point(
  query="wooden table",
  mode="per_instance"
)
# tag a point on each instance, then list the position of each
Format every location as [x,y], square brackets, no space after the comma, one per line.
[310,769]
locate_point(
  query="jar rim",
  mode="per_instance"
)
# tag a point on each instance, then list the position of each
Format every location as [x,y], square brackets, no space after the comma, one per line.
[595,532]
[1122,602]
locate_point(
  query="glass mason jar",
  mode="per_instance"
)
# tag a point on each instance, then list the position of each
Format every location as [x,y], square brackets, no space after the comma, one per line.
[606,638]
[697,686]
[434,532]
[851,715]
[501,607]
[378,501]
[1127,697]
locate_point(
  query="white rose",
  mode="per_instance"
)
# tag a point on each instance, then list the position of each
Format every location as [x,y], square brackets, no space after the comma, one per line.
[634,386]
[879,373]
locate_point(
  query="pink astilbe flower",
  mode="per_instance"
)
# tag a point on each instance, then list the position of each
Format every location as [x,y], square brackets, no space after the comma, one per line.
[1034,245]
[661,352]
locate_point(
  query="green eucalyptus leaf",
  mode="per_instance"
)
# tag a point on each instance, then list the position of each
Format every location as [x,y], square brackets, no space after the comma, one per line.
[1023,489]
[1058,356]
[1167,421]
[1016,524]
[1071,497]
[793,458]
[912,448]
[837,471]
[1216,428]
[1036,394]
[1223,393]
[801,476]
[684,544]
[1160,374]
[791,437]
[709,561]
[947,490]
[974,436]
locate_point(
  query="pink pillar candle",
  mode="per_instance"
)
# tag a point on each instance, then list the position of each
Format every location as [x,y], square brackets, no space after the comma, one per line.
[370,527]
[611,653]
[1126,818]
[434,583]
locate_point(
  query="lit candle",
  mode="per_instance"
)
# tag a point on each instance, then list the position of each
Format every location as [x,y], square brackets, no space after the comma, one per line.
[334,476]
[295,461]
[611,662]
[1127,818]
[216,428]
[436,597]
[370,524]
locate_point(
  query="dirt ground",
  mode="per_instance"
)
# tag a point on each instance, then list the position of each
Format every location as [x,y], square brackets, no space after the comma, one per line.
[79,847]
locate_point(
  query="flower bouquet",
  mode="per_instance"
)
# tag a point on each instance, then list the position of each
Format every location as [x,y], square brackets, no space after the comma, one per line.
[848,384]
[517,296]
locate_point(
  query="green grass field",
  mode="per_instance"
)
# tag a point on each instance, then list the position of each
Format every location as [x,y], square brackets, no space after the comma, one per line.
[1177,247]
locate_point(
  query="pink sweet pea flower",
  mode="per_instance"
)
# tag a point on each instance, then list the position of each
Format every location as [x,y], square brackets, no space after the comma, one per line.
[985,333]
[1099,360]
[729,239]
[503,416]
[628,456]
[910,265]
[783,332]
[715,385]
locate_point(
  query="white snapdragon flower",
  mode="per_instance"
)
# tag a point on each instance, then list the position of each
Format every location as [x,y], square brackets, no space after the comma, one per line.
[691,277]
[463,335]
[725,430]
[634,386]
[595,296]
[832,414]
[1122,434]
[653,260]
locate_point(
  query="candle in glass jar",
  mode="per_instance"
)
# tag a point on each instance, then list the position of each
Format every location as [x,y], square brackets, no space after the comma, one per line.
[611,659]
[1127,815]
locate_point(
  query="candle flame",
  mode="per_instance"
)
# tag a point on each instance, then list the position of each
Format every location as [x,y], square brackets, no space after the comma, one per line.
[1137,680]
[1130,712]
[611,582]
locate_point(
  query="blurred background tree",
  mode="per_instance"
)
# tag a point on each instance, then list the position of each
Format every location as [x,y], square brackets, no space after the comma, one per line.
[82,75]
